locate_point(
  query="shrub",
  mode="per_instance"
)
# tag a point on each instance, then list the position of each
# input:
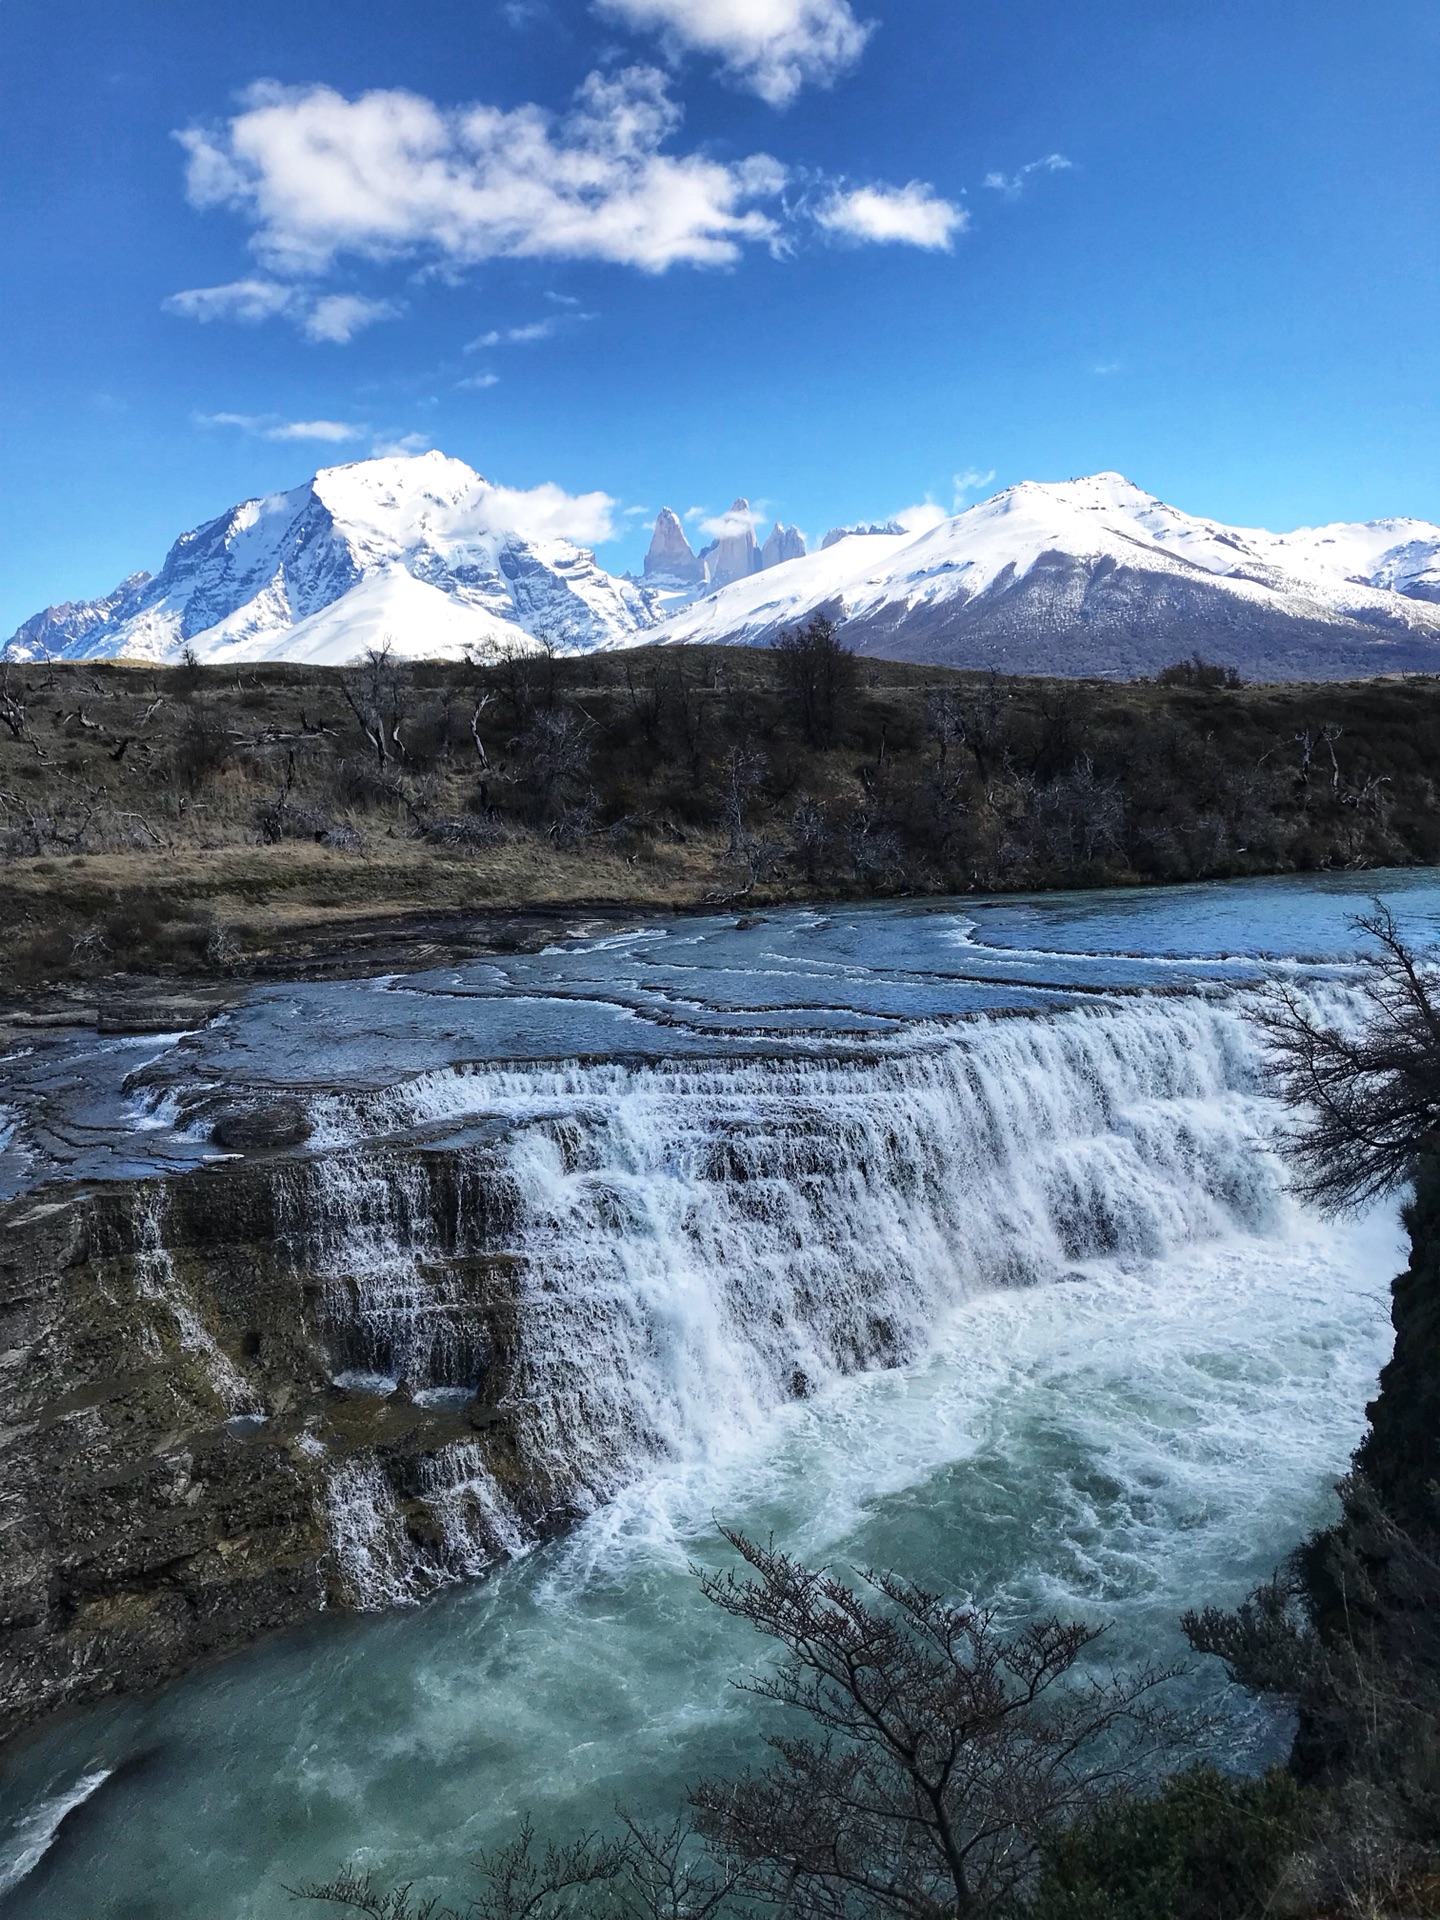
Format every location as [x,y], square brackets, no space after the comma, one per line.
[1206,1847]
[1196,672]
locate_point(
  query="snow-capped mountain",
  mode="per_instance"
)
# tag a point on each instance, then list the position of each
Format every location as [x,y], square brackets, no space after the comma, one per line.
[1096,576]
[1086,577]
[418,551]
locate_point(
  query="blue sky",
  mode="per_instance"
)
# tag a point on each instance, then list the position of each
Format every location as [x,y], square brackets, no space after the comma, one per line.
[840,257]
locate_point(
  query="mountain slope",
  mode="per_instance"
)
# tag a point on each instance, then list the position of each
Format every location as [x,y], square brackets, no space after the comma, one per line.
[418,551]
[1083,577]
[1095,576]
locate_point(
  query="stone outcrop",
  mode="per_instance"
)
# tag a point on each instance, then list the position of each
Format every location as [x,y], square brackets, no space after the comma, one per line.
[1400,1454]
[181,1470]
[785,543]
[671,559]
[837,534]
[251,1129]
[736,554]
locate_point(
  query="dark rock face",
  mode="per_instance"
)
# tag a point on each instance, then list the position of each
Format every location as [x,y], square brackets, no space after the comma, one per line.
[181,1470]
[1096,618]
[284,1123]
[1400,1455]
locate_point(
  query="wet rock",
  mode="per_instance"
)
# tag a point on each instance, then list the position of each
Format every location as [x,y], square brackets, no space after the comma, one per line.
[282,1123]
[153,1518]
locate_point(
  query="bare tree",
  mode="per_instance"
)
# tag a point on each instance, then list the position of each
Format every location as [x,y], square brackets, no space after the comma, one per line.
[818,672]
[376,692]
[744,772]
[553,751]
[642,1874]
[944,1747]
[12,711]
[1371,1096]
[941,1751]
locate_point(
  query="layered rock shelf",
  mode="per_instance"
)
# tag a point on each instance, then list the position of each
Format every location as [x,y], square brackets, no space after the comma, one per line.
[203,1439]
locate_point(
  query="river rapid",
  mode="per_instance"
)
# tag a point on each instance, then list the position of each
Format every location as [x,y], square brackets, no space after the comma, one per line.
[948,1237]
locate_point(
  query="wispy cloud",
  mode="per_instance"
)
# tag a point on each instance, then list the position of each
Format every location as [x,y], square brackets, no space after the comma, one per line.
[722,526]
[477,382]
[773,47]
[929,513]
[401,443]
[1012,185]
[392,176]
[269,426]
[333,317]
[548,512]
[972,480]
[248,301]
[338,317]
[912,216]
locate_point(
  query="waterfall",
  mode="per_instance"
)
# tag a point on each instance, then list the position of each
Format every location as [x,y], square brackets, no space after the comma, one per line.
[156,1280]
[673,1249]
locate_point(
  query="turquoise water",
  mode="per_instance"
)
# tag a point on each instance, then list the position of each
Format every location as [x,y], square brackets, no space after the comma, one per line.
[1148,1422]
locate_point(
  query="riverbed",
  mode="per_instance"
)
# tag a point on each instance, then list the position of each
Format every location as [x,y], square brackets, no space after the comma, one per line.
[946,1237]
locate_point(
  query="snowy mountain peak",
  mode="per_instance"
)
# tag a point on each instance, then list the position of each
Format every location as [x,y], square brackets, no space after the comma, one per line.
[1096,576]
[1090,575]
[417,551]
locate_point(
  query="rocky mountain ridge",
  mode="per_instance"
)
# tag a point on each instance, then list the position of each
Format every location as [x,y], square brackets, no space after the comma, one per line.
[1081,577]
[734,554]
[1097,577]
[419,552]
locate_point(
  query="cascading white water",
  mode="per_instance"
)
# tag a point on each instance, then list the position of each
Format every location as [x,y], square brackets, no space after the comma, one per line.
[701,1242]
[702,1246]
[681,1250]
[156,1280]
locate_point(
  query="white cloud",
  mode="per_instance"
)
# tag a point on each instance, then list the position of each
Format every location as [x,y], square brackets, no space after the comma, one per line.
[722,526]
[912,216]
[338,317]
[929,513]
[392,174]
[547,512]
[268,427]
[970,481]
[1012,185]
[774,47]
[478,381]
[248,301]
[513,336]
[921,518]
[336,431]
[401,443]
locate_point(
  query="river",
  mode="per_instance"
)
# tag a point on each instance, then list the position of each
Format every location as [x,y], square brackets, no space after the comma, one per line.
[945,1236]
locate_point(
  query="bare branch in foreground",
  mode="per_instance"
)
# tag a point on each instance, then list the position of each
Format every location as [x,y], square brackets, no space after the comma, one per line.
[1371,1098]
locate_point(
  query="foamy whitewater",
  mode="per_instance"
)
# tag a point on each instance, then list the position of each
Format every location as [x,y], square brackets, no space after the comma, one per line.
[951,1239]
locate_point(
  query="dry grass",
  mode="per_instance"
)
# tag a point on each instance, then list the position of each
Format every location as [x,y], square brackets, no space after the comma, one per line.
[182,821]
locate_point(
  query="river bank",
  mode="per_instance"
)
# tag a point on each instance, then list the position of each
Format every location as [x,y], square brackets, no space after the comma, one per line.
[203,823]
